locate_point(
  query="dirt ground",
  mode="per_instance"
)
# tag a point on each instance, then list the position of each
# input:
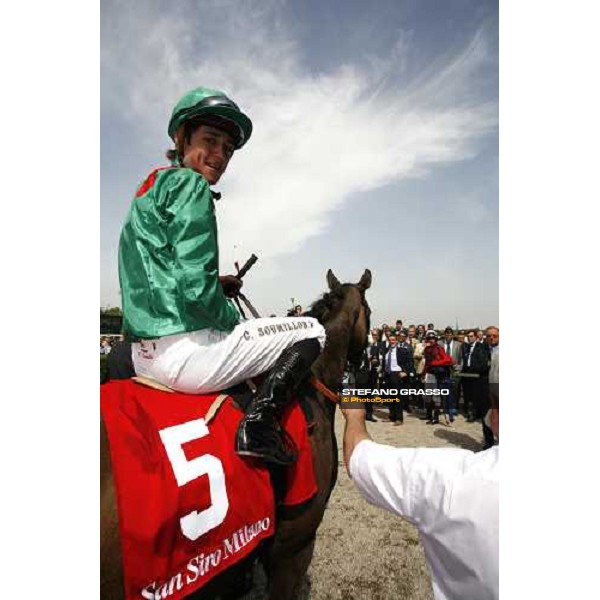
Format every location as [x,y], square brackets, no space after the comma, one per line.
[363,552]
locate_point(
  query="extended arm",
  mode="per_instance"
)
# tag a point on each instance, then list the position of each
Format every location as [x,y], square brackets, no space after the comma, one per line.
[354,432]
[410,482]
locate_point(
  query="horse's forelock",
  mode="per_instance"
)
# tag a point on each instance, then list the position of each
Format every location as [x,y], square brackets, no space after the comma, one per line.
[322,309]
[330,303]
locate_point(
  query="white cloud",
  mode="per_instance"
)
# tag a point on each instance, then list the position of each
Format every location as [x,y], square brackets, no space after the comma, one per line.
[319,138]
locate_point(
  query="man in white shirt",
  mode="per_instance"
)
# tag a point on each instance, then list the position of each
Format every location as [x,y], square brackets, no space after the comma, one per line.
[492,337]
[450,495]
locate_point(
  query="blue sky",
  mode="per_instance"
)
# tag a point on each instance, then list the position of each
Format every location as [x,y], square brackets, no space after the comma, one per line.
[375,143]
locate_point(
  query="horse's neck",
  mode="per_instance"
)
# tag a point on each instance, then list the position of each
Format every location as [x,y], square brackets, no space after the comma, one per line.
[329,367]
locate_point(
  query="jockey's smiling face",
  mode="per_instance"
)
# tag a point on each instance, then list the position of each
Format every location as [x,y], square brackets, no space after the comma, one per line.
[208,152]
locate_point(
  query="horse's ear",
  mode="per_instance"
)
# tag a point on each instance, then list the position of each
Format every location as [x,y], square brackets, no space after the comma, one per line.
[332,280]
[365,280]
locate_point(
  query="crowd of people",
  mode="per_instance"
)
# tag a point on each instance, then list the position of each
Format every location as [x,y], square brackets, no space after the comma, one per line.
[464,363]
[107,342]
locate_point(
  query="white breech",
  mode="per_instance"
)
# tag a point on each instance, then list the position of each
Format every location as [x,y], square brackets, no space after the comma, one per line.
[205,361]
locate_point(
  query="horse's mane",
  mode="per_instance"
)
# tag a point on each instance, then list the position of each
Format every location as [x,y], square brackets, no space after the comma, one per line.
[322,308]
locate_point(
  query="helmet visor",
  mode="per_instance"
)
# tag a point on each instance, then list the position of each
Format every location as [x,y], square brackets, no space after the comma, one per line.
[219,106]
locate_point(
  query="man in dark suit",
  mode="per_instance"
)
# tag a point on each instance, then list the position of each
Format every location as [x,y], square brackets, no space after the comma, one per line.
[412,381]
[364,379]
[475,370]
[372,366]
[473,360]
[384,342]
[399,370]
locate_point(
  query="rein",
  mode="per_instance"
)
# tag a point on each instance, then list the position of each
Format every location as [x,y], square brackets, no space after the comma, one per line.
[240,273]
[321,387]
[248,304]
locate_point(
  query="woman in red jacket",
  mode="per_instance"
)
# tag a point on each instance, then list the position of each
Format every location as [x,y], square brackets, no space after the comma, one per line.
[437,375]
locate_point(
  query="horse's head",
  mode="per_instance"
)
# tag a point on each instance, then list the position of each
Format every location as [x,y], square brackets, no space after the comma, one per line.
[344,309]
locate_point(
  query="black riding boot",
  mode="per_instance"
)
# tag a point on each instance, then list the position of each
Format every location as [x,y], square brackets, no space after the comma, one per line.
[259,433]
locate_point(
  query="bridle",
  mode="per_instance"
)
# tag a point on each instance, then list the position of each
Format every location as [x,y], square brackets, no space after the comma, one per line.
[317,383]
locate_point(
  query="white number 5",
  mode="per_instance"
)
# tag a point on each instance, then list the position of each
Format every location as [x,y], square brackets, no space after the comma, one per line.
[196,523]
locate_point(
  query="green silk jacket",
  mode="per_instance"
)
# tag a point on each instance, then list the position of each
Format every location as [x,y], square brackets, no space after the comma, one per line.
[169,259]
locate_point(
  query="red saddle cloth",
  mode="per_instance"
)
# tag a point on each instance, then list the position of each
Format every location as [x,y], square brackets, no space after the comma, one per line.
[189,506]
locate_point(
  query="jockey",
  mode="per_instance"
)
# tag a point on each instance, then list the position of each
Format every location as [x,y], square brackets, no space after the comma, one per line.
[186,333]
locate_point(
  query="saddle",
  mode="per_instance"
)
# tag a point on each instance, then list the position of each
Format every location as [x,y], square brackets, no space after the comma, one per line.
[241,394]
[189,506]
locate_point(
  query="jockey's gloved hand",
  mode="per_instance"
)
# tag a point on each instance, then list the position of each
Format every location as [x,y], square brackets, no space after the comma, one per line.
[231,285]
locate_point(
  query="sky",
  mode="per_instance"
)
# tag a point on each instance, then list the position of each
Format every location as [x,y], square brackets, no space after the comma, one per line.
[375,144]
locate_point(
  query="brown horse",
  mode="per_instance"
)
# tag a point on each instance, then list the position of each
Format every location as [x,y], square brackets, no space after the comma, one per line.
[345,314]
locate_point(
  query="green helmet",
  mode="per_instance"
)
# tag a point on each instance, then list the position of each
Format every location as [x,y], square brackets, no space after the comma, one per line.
[205,101]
